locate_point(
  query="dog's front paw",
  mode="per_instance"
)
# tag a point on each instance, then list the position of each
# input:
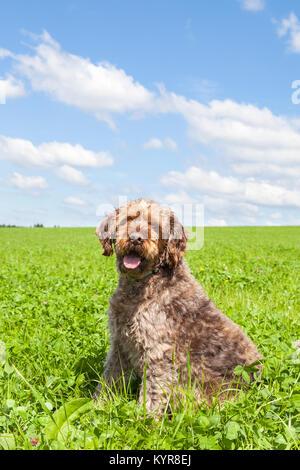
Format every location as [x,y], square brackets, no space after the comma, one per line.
[153,404]
[97,392]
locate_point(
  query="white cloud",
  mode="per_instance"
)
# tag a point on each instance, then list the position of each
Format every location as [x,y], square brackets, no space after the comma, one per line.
[180,197]
[272,224]
[5,53]
[270,195]
[74,201]
[267,169]
[254,141]
[71,175]
[157,144]
[10,88]
[253,5]
[48,154]
[100,89]
[153,143]
[290,27]
[216,223]
[276,215]
[131,189]
[28,182]
[227,206]
[243,131]
[198,179]
[217,209]
[249,191]
[25,213]
[201,88]
[170,144]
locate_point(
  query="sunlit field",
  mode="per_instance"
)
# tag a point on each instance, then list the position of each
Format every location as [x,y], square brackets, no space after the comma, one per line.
[54,292]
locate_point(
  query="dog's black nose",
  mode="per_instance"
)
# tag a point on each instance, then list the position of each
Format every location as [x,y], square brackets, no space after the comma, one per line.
[135,238]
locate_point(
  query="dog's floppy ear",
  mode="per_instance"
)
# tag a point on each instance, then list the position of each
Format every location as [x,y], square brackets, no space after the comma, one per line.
[106,232]
[176,244]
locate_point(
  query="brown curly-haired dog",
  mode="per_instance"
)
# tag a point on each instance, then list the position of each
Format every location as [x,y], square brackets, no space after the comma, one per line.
[161,321]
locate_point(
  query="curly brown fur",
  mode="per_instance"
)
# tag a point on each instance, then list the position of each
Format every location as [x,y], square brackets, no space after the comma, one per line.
[160,316]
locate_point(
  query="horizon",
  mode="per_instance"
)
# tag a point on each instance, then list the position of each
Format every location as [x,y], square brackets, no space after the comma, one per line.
[185,226]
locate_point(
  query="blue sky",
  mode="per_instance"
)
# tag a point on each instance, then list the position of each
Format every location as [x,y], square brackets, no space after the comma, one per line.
[183,102]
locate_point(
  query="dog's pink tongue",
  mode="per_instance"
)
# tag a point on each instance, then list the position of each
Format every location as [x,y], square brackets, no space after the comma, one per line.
[131,262]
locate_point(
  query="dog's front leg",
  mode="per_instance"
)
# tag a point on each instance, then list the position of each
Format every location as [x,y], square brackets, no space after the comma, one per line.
[116,370]
[156,389]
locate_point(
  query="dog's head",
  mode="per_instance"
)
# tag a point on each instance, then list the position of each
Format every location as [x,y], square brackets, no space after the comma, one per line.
[145,237]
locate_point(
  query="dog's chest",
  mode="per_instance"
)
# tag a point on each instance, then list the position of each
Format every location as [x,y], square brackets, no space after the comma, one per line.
[140,328]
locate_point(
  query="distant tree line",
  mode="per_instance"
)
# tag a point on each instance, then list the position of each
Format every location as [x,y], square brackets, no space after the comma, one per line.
[18,226]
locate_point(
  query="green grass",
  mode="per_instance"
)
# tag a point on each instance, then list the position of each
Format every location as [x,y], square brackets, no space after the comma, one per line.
[54,292]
